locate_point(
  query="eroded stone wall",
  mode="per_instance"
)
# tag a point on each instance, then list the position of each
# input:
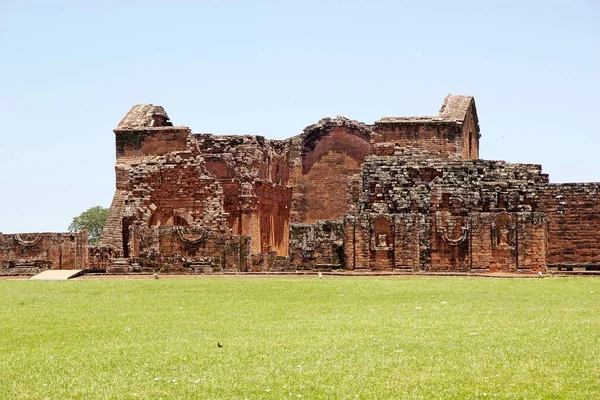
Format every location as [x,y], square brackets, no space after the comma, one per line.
[135,143]
[441,137]
[32,253]
[383,242]
[573,211]
[183,250]
[112,234]
[463,209]
[318,245]
[324,160]
[403,194]
[253,173]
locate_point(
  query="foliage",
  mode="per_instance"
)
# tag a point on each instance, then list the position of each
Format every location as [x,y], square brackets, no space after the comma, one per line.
[93,220]
[308,338]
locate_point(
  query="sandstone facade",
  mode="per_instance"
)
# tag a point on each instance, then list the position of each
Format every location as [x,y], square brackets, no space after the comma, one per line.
[403,194]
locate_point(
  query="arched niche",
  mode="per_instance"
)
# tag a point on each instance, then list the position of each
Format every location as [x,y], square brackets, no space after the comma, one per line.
[171,218]
[332,153]
[383,233]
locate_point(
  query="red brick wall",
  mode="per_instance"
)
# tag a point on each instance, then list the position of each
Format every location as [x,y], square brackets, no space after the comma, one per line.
[112,234]
[449,243]
[322,177]
[321,193]
[186,250]
[470,138]
[407,247]
[357,242]
[31,253]
[252,172]
[532,243]
[274,203]
[443,138]
[383,242]
[573,212]
[175,187]
[489,242]
[523,247]
[150,141]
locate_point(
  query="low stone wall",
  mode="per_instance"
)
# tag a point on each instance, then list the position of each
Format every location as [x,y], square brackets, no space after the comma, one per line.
[182,250]
[32,253]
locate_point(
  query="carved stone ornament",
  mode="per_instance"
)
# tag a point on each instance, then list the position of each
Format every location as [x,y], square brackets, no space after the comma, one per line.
[457,240]
[503,231]
[382,240]
[198,237]
[29,239]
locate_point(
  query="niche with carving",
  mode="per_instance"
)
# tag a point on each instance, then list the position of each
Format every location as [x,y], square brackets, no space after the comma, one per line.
[383,234]
[503,231]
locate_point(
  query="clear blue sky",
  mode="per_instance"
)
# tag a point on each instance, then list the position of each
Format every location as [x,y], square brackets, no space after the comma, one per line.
[70,70]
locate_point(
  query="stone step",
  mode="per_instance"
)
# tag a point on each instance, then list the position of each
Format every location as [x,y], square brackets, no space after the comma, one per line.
[57,275]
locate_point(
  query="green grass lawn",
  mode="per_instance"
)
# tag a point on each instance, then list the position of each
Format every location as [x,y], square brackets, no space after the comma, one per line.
[307,338]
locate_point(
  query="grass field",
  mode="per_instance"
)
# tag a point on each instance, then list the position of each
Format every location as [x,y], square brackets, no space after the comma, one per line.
[304,338]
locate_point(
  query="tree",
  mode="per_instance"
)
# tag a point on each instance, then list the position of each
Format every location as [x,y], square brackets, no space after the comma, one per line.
[93,220]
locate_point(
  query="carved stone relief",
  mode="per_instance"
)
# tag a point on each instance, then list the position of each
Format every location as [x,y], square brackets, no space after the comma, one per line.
[503,231]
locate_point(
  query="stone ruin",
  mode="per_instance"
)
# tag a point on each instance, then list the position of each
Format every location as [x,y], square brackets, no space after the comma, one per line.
[405,194]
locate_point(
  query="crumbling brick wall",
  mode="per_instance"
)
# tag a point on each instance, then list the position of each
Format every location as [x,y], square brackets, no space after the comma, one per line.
[31,253]
[573,211]
[183,250]
[135,143]
[171,189]
[383,242]
[442,137]
[253,173]
[324,158]
[246,185]
[318,245]
[112,234]
[100,258]
[403,194]
[458,202]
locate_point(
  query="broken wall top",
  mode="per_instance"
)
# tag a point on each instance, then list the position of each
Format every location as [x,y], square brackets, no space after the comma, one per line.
[455,108]
[415,183]
[144,116]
